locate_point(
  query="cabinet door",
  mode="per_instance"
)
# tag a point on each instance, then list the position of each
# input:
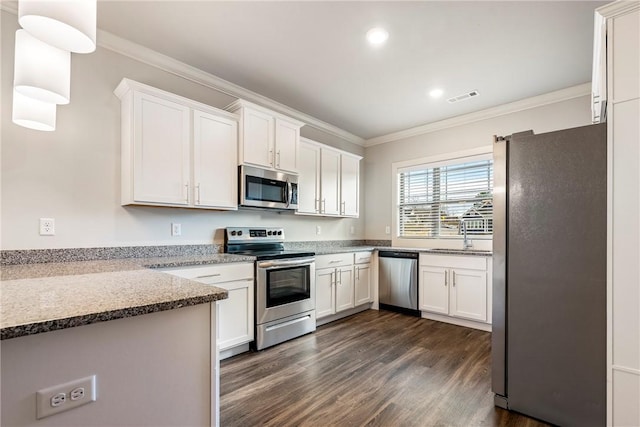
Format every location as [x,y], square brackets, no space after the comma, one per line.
[215,142]
[434,289]
[257,138]
[349,181]
[287,142]
[161,155]
[344,289]
[469,294]
[330,182]
[363,283]
[309,178]
[325,292]
[236,314]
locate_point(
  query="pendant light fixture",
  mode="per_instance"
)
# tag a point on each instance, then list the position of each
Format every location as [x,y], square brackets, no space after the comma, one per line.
[33,114]
[42,72]
[65,24]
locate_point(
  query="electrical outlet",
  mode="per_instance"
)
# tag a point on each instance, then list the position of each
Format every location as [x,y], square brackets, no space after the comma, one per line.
[62,397]
[352,230]
[47,227]
[318,230]
[387,230]
[176,229]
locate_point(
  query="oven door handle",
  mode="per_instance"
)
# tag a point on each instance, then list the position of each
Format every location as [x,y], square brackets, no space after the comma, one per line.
[276,263]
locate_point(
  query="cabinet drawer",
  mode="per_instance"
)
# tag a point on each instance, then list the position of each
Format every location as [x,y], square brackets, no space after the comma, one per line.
[454,261]
[334,260]
[213,274]
[363,257]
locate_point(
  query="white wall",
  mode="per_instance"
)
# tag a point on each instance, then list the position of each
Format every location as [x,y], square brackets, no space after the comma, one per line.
[73,174]
[379,158]
[133,359]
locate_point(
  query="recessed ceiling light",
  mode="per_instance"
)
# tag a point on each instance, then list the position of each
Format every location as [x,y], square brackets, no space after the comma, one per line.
[377,36]
[436,93]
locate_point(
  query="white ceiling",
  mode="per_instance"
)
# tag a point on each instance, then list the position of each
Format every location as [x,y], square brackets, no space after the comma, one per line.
[313,56]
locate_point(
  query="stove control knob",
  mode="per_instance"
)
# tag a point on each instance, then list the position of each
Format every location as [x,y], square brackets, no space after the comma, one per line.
[239,232]
[269,233]
[279,232]
[233,233]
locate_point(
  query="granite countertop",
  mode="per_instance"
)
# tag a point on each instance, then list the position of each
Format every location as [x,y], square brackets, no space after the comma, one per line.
[323,250]
[44,297]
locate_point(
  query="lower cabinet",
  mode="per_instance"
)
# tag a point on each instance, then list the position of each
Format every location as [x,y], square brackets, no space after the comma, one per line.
[457,287]
[236,323]
[342,283]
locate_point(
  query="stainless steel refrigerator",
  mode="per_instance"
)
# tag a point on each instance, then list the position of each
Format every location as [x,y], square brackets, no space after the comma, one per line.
[549,279]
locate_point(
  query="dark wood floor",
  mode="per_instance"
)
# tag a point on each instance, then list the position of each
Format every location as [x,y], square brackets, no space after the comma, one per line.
[376,368]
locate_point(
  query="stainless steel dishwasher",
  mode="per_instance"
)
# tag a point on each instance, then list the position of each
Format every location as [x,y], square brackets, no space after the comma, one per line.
[398,281]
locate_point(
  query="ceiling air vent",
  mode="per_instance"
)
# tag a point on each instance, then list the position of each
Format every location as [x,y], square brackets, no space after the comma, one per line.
[464,96]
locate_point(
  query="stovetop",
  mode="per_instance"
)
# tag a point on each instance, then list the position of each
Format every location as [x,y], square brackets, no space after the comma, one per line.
[266,255]
[262,242]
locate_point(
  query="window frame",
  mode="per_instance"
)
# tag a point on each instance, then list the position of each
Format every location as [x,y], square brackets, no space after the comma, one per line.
[449,242]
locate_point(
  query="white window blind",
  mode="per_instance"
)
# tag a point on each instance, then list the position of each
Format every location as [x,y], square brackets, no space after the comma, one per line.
[433,201]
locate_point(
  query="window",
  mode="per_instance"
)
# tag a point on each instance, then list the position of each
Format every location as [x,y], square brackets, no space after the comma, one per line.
[435,200]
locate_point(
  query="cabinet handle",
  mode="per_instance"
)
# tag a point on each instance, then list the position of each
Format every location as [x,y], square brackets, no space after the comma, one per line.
[333,278]
[198,192]
[357,273]
[186,186]
[324,206]
[334,261]
[316,205]
[446,281]
[454,277]
[342,208]
[339,276]
[271,157]
[278,162]
[209,275]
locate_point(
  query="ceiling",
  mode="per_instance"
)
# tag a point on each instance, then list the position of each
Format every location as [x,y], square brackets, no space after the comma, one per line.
[313,56]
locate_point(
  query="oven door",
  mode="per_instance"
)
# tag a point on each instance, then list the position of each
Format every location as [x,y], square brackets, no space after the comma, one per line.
[284,288]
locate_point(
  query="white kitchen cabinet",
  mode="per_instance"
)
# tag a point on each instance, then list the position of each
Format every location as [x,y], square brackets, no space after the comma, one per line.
[214,174]
[349,185]
[456,287]
[236,322]
[334,283]
[175,151]
[331,180]
[362,284]
[345,297]
[434,289]
[309,178]
[343,282]
[619,57]
[157,142]
[267,139]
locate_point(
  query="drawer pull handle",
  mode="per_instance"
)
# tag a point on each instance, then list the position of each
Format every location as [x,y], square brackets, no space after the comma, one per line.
[209,275]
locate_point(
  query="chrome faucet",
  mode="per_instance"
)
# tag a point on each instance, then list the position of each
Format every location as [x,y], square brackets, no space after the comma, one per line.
[466,243]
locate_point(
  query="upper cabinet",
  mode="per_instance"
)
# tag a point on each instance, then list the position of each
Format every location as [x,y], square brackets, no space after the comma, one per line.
[175,151]
[267,139]
[329,180]
[615,63]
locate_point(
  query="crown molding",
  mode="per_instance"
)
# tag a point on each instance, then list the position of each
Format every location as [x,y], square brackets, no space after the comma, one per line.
[151,57]
[148,56]
[501,110]
[618,8]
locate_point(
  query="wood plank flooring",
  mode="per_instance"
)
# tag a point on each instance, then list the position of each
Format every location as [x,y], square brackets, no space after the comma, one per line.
[375,368]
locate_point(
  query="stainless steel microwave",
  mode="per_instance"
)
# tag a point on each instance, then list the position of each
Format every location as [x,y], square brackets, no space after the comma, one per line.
[263,188]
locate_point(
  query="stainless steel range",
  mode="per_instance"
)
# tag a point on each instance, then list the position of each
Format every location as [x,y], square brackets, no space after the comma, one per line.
[285,291]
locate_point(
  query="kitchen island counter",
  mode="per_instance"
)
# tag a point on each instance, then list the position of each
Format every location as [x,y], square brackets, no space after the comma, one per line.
[43,297]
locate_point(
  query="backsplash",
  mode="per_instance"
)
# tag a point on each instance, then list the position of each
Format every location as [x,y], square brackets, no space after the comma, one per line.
[30,256]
